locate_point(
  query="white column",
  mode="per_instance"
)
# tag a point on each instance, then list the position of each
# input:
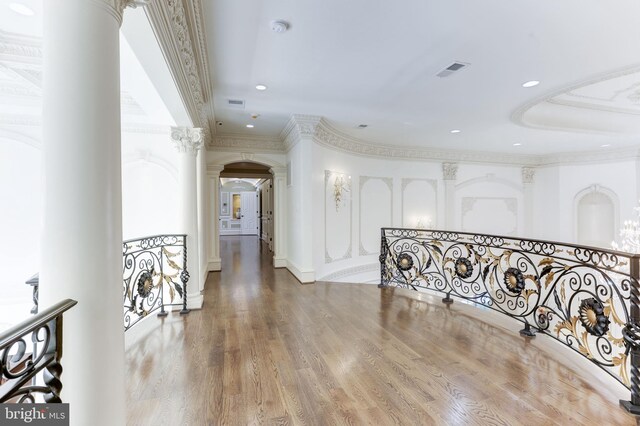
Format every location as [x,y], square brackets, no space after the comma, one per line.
[202,216]
[213,175]
[81,254]
[449,173]
[188,141]
[279,217]
[528,175]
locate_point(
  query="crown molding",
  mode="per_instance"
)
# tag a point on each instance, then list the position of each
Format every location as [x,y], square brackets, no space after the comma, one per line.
[20,49]
[332,138]
[230,141]
[171,22]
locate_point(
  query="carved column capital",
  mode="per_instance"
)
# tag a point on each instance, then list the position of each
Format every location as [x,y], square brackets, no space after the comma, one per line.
[449,171]
[528,174]
[117,7]
[187,139]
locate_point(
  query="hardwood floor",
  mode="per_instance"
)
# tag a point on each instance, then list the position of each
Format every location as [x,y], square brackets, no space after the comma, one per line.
[267,350]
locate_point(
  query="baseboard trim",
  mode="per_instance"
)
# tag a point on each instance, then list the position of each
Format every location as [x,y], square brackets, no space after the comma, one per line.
[305,277]
[279,262]
[195,301]
[214,265]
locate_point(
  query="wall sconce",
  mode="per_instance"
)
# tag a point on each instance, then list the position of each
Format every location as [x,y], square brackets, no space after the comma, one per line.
[423,222]
[341,185]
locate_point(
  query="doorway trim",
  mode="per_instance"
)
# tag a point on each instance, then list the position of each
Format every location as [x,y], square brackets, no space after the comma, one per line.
[279,174]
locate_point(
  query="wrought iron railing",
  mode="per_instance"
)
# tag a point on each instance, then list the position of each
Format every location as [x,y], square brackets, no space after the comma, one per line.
[155,276]
[29,348]
[585,298]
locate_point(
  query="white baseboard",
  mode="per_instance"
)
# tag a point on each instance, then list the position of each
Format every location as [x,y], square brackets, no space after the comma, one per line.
[279,262]
[215,264]
[195,301]
[305,277]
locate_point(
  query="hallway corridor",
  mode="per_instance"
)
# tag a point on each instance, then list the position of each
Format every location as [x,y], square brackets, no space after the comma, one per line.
[266,350]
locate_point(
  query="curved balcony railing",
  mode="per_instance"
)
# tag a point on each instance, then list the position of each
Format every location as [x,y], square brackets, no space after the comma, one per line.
[155,276]
[585,298]
[29,348]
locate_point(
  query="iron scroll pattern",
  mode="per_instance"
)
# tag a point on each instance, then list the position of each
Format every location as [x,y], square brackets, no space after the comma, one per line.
[30,353]
[154,276]
[580,296]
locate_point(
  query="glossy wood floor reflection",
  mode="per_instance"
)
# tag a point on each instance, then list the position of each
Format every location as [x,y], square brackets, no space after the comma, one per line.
[267,350]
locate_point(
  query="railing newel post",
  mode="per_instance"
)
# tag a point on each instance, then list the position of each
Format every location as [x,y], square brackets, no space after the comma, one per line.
[162,312]
[184,277]
[384,252]
[632,335]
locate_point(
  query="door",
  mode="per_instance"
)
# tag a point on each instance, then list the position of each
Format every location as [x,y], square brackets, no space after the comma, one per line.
[249,216]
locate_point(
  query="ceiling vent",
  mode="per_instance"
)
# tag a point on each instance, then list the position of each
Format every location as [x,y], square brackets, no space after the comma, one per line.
[454,67]
[236,103]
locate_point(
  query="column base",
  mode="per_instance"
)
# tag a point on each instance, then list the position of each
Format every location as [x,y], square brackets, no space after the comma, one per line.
[195,301]
[279,262]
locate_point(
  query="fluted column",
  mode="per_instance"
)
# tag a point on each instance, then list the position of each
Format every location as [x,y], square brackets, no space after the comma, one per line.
[528,175]
[187,142]
[81,255]
[449,174]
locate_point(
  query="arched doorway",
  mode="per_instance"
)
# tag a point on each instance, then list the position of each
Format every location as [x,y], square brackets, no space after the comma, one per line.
[242,171]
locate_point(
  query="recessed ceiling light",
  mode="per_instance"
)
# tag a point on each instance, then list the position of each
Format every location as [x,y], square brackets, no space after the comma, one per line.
[261,87]
[456,131]
[517,144]
[250,126]
[605,145]
[21,9]
[531,83]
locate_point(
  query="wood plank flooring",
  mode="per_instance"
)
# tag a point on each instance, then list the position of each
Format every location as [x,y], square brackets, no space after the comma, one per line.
[267,350]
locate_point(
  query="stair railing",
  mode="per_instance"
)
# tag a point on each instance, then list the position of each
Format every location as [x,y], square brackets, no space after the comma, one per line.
[31,347]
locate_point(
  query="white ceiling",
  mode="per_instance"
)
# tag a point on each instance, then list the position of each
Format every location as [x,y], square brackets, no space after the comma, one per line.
[374,62]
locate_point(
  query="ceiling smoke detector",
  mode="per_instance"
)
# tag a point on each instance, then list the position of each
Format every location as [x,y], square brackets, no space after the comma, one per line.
[362,126]
[279,26]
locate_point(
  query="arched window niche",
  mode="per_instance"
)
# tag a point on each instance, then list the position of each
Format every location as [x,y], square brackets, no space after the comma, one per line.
[596,216]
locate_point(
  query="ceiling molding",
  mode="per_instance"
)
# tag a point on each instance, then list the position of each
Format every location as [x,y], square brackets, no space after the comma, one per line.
[172,22]
[518,115]
[332,138]
[253,143]
[20,49]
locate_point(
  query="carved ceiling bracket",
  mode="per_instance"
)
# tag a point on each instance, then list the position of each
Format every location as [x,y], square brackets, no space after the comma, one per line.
[178,25]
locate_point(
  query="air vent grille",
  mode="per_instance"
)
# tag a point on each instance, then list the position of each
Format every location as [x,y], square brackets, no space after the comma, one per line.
[235,103]
[454,67]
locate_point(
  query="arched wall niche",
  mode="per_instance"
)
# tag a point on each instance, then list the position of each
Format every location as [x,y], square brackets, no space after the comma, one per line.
[596,213]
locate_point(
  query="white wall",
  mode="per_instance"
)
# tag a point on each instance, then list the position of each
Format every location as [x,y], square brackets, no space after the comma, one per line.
[149,185]
[488,199]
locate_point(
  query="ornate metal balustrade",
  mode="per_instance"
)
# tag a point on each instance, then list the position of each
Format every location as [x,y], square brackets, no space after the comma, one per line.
[155,276]
[586,298]
[42,334]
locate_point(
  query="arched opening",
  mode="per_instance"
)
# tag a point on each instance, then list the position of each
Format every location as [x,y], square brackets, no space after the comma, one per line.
[595,217]
[264,177]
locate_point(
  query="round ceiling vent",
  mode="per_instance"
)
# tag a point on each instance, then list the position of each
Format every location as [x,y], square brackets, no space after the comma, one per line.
[279,26]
